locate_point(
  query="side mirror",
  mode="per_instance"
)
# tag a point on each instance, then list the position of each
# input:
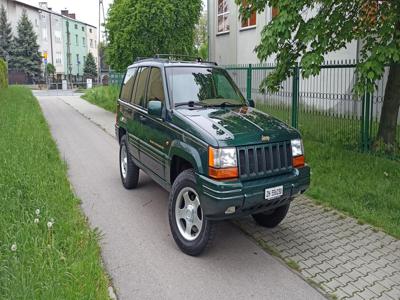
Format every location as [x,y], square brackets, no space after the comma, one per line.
[251,103]
[154,108]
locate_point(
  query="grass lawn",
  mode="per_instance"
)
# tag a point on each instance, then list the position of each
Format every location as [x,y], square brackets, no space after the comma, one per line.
[38,259]
[364,186]
[103,96]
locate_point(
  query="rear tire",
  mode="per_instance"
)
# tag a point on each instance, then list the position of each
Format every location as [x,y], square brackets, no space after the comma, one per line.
[128,170]
[190,228]
[272,219]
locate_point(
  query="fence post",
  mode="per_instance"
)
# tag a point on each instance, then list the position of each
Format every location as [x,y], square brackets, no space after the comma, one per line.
[295,97]
[367,116]
[249,81]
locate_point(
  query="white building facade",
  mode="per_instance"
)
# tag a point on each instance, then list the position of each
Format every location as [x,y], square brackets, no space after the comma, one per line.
[48,26]
[232,41]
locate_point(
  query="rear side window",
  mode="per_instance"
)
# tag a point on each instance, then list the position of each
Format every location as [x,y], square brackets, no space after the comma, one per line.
[155,90]
[127,86]
[140,86]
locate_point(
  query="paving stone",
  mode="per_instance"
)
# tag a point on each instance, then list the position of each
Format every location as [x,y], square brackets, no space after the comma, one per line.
[314,270]
[394,294]
[366,294]
[377,288]
[328,275]
[350,289]
[344,279]
[370,278]
[340,293]
[354,274]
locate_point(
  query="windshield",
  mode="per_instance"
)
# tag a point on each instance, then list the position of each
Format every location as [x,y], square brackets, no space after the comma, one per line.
[209,86]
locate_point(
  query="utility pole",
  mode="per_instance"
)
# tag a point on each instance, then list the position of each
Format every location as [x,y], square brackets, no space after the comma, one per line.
[69,63]
[98,43]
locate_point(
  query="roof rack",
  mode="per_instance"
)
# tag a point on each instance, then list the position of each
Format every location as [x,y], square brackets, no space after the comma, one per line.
[176,57]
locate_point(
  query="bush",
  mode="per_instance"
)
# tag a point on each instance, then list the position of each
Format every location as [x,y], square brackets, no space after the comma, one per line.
[3,74]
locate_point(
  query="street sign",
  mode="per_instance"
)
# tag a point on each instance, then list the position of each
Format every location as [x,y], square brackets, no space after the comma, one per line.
[89,83]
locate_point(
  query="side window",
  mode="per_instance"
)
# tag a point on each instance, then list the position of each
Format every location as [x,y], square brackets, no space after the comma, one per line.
[127,86]
[155,87]
[140,86]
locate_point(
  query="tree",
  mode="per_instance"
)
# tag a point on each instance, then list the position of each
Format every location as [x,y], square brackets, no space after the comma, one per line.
[90,68]
[142,28]
[331,25]
[201,36]
[5,34]
[25,54]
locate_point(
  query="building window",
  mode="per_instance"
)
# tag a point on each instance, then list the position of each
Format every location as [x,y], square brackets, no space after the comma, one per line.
[58,58]
[77,59]
[91,43]
[76,40]
[83,28]
[83,42]
[223,16]
[84,60]
[274,12]
[57,36]
[250,22]
[90,30]
[44,34]
[76,26]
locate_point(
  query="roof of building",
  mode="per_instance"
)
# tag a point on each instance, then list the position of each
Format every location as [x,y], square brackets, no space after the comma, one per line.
[51,12]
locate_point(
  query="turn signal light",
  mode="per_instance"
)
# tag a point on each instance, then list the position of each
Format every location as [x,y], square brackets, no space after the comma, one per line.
[226,173]
[298,161]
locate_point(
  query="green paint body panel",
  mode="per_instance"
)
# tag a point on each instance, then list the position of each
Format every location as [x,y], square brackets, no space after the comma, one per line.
[186,133]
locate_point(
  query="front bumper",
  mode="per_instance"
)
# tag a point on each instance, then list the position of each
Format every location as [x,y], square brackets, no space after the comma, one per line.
[248,196]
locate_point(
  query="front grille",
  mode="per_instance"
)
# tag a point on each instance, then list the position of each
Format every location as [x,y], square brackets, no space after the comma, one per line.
[265,160]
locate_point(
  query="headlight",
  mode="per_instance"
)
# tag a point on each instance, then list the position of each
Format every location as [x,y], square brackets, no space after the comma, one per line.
[297,147]
[222,163]
[222,158]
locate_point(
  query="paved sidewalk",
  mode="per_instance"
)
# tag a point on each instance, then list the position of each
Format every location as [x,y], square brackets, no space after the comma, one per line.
[333,252]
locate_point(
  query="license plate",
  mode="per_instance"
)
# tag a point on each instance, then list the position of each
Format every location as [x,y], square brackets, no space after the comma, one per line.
[274,192]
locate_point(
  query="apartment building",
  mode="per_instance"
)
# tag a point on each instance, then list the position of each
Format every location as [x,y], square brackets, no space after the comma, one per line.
[232,41]
[65,39]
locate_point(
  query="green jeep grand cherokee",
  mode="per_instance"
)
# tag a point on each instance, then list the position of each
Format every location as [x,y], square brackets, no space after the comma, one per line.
[187,125]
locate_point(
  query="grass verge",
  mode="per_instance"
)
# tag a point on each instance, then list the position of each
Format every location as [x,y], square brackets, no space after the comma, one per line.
[38,259]
[103,96]
[364,186]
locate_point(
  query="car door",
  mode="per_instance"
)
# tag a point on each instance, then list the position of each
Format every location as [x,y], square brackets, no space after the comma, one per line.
[127,112]
[157,134]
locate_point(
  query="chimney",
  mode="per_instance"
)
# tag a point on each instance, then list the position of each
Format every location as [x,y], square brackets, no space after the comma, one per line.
[64,12]
[43,5]
[72,16]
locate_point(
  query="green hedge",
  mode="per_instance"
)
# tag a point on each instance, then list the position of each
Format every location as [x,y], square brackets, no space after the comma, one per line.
[3,74]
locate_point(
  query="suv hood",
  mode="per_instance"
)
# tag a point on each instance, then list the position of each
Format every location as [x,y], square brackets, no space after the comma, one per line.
[235,126]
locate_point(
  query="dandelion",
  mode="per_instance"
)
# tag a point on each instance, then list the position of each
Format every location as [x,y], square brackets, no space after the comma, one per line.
[36,221]
[52,220]
[49,225]
[37,211]
[386,174]
[14,247]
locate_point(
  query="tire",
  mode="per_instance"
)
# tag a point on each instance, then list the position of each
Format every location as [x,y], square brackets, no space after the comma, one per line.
[128,170]
[185,210]
[272,219]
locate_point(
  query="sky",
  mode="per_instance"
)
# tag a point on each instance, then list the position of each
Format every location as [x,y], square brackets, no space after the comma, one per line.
[86,10]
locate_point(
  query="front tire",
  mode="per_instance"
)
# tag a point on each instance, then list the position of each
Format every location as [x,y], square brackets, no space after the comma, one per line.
[272,219]
[128,170]
[190,228]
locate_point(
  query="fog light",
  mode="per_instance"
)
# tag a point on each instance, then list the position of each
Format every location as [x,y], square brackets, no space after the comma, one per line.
[230,210]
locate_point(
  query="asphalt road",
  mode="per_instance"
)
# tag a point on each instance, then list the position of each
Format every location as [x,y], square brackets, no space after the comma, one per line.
[137,248]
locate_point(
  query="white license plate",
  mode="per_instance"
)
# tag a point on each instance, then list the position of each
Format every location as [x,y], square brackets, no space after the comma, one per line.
[274,192]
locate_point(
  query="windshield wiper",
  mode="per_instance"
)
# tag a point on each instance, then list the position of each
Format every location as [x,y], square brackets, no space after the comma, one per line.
[190,104]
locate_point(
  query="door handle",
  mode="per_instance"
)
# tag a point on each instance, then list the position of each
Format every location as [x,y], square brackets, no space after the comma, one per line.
[142,118]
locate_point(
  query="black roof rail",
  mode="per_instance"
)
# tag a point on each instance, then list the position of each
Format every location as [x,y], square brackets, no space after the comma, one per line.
[175,57]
